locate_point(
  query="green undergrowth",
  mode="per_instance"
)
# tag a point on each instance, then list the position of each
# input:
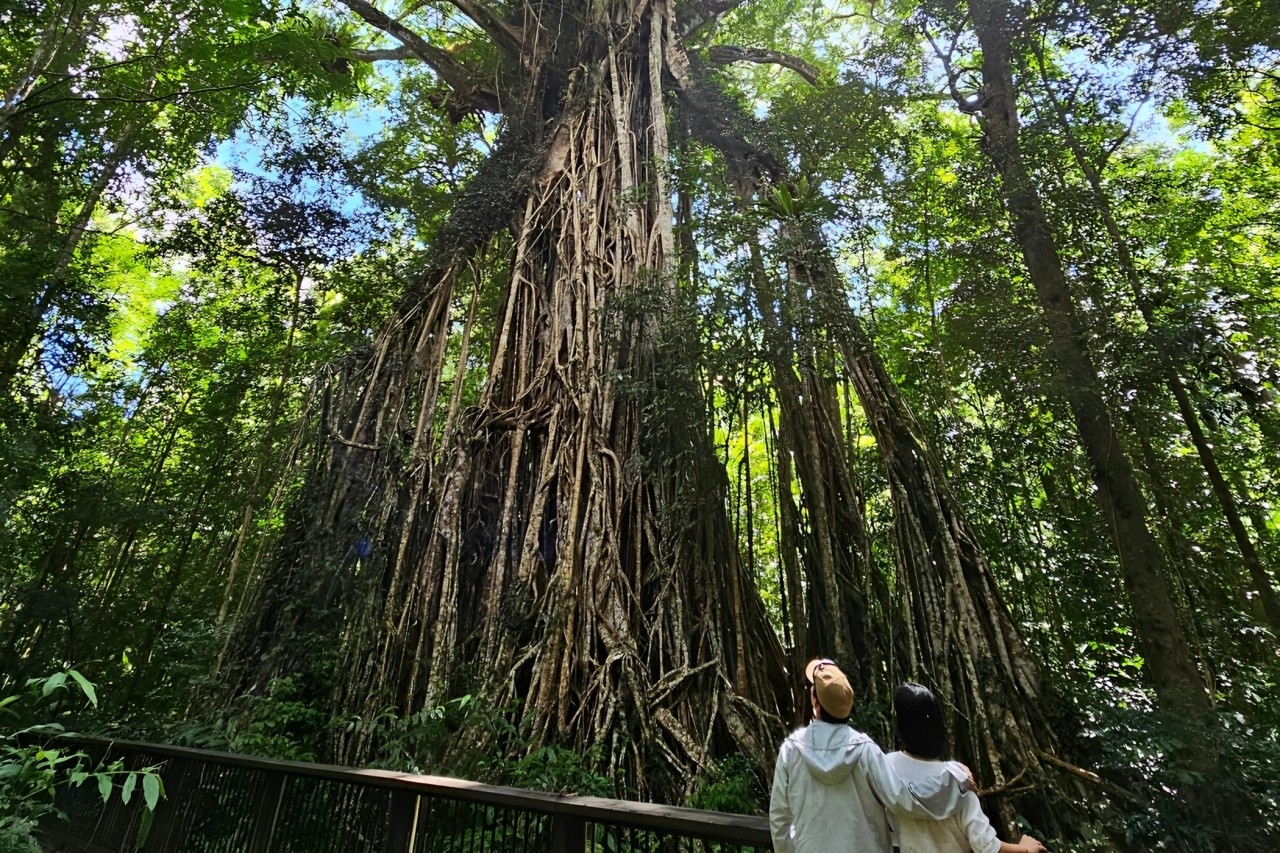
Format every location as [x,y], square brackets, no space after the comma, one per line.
[37,760]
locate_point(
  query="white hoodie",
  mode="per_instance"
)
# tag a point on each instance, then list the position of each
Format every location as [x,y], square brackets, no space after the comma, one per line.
[967,830]
[829,786]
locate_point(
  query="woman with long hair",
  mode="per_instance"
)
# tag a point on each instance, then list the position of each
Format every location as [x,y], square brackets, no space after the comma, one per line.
[922,735]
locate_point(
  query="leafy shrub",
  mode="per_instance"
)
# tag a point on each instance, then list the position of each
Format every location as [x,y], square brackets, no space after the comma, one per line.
[557,770]
[33,766]
[415,743]
[732,785]
[1232,804]
[279,724]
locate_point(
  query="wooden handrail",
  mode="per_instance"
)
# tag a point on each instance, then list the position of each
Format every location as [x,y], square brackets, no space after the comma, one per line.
[693,823]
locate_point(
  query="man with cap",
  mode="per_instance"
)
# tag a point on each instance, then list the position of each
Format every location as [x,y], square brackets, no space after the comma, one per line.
[832,784]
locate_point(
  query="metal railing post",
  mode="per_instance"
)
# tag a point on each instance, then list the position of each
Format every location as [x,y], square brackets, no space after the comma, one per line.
[267,812]
[568,833]
[177,780]
[402,822]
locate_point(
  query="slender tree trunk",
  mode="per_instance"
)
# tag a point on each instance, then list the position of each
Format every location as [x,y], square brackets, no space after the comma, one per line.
[1160,635]
[1261,582]
[835,547]
[13,350]
[264,449]
[64,22]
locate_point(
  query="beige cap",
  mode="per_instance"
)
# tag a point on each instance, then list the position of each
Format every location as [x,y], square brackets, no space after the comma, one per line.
[835,694]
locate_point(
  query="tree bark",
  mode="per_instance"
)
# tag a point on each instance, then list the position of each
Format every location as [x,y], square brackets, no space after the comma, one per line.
[573,534]
[1160,634]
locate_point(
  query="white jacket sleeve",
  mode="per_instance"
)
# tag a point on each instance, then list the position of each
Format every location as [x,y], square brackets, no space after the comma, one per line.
[982,836]
[780,814]
[937,798]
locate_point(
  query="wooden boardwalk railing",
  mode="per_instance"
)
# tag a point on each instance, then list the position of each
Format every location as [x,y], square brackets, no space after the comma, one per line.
[218,802]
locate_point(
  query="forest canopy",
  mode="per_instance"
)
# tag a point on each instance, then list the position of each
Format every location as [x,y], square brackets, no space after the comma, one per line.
[525,391]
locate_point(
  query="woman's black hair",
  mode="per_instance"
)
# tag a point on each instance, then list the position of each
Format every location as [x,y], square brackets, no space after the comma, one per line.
[918,714]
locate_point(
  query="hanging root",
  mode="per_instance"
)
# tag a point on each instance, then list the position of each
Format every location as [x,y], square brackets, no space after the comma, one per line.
[557,547]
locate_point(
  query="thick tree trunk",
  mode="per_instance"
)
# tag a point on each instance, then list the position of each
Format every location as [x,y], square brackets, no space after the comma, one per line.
[573,536]
[1160,634]
[965,643]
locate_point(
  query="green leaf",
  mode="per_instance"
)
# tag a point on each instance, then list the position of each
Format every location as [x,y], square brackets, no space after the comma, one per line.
[152,790]
[144,825]
[104,786]
[86,686]
[126,793]
[53,682]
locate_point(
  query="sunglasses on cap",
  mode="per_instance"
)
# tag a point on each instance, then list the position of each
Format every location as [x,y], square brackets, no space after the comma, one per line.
[817,667]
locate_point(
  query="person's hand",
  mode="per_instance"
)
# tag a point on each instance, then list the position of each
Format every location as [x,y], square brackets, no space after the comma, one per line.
[1030,845]
[968,777]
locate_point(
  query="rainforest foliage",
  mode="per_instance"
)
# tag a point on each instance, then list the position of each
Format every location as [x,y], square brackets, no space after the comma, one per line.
[526,390]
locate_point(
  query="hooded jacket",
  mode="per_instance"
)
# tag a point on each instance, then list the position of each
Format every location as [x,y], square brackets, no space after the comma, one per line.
[967,830]
[831,787]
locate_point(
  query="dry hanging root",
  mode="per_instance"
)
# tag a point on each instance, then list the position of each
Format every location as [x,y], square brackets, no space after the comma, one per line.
[551,548]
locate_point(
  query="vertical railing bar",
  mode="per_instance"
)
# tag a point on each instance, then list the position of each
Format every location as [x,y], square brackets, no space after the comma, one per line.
[435,815]
[190,808]
[268,811]
[568,833]
[107,822]
[184,821]
[492,815]
[240,798]
[528,831]
[357,799]
[332,800]
[167,812]
[402,821]
[340,800]
[488,816]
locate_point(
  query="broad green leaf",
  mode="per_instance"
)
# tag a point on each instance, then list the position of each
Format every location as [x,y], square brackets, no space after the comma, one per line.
[151,790]
[104,786]
[126,791]
[86,686]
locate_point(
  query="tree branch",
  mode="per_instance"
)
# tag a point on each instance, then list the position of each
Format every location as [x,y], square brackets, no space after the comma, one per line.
[27,106]
[379,54]
[504,35]
[725,54]
[451,71]
[703,13]
[1089,776]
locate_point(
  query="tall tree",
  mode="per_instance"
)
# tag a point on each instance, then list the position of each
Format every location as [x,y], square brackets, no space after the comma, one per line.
[568,529]
[1142,561]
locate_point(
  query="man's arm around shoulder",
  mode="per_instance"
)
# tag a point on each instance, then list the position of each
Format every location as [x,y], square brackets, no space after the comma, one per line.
[937,798]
